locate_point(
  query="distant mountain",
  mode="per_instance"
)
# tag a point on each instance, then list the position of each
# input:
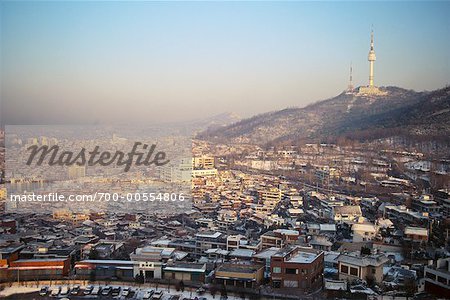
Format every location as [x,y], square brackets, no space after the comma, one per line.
[209,123]
[221,120]
[400,112]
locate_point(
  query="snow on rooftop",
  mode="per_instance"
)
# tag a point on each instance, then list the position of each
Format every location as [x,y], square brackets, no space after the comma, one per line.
[303,257]
[214,235]
[416,231]
[286,231]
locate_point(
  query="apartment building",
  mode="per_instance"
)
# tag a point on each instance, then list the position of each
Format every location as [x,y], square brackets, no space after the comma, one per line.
[297,267]
[437,278]
[209,240]
[279,238]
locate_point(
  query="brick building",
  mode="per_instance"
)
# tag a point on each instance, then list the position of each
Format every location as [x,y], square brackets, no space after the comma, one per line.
[297,267]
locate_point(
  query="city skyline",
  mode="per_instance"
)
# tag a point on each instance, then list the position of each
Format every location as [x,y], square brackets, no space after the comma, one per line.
[133,61]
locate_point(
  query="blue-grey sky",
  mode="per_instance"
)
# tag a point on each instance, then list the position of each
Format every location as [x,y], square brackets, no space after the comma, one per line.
[170,61]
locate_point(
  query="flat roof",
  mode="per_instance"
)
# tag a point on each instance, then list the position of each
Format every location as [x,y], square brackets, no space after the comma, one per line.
[186,267]
[40,260]
[214,235]
[106,261]
[267,253]
[242,252]
[239,268]
[303,258]
[416,231]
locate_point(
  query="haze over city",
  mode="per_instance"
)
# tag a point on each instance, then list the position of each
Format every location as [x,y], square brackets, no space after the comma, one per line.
[160,61]
[253,150]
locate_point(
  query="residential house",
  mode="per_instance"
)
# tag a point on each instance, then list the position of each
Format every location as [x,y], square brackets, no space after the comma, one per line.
[355,266]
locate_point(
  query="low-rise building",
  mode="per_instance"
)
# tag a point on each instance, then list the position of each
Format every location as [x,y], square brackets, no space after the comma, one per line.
[426,205]
[297,267]
[437,278]
[264,257]
[149,261]
[186,272]
[279,238]
[352,267]
[248,275]
[363,232]
[346,213]
[321,243]
[33,269]
[209,240]
[416,234]
[93,269]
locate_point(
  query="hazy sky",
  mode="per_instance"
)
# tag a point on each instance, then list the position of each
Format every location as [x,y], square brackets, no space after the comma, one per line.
[166,61]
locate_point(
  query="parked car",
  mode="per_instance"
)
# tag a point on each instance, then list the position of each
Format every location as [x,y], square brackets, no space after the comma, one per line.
[106,291]
[157,295]
[148,294]
[65,290]
[115,291]
[75,290]
[126,291]
[55,291]
[88,290]
[43,291]
[96,290]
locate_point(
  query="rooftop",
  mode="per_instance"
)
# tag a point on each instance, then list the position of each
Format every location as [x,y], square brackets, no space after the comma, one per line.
[239,268]
[302,258]
[213,235]
[363,261]
[347,210]
[267,253]
[186,267]
[416,231]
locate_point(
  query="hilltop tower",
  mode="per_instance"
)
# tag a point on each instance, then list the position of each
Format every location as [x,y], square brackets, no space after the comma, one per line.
[371,89]
[372,58]
[350,82]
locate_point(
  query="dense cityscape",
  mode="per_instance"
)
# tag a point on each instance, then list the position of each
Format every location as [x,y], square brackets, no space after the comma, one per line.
[319,220]
[345,198]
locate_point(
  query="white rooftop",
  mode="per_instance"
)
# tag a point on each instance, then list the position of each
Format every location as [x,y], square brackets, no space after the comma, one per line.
[303,257]
[214,235]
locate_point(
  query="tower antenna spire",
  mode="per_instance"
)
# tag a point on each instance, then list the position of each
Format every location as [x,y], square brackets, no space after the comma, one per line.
[371,38]
[350,83]
[371,59]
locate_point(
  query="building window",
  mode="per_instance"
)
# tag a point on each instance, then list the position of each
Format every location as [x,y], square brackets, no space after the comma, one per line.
[344,269]
[276,270]
[290,284]
[277,284]
[442,280]
[353,271]
[291,271]
[430,276]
